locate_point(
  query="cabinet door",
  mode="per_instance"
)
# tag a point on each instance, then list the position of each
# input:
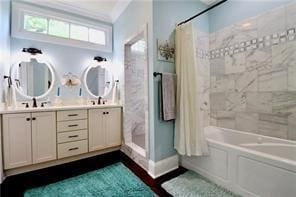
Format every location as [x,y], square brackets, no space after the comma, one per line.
[44,136]
[96,129]
[17,140]
[113,127]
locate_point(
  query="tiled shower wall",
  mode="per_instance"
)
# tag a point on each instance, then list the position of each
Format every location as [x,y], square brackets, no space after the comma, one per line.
[203,64]
[253,74]
[135,99]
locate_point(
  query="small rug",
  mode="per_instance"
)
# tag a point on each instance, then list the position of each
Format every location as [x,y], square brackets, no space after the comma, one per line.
[191,184]
[115,180]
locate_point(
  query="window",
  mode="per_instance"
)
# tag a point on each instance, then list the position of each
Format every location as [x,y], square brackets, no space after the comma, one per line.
[97,36]
[58,28]
[39,24]
[35,24]
[79,32]
[139,46]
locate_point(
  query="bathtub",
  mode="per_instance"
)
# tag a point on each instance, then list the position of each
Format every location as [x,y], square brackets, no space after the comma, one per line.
[247,164]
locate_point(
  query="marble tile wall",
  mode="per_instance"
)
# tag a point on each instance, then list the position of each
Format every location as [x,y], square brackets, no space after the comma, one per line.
[203,64]
[253,74]
[135,102]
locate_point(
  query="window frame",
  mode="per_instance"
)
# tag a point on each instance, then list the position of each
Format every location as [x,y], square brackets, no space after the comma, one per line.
[49,34]
[19,10]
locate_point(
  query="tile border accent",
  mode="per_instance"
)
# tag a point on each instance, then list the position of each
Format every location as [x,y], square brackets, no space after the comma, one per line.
[256,43]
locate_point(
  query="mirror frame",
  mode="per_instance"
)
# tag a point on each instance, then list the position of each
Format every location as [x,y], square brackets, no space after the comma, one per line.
[41,60]
[85,79]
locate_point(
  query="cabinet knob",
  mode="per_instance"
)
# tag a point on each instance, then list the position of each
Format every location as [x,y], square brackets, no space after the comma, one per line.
[33,118]
[28,119]
[107,112]
[104,113]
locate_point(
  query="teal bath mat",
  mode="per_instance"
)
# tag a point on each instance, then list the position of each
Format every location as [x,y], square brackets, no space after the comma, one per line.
[115,180]
[191,184]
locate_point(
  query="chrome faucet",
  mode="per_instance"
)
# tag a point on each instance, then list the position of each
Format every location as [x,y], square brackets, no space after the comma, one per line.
[34,102]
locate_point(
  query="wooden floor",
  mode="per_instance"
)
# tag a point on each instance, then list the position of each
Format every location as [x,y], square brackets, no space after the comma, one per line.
[15,186]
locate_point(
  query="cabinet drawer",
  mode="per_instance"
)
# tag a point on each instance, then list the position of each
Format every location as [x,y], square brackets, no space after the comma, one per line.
[72,148]
[72,125]
[71,115]
[71,136]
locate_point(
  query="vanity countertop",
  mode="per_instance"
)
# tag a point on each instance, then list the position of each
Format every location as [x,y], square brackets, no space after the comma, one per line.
[55,108]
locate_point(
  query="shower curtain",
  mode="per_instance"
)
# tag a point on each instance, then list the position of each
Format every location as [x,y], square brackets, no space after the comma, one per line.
[189,134]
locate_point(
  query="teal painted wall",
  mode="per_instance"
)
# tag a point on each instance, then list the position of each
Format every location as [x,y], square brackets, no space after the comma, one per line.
[64,58]
[4,41]
[4,55]
[137,15]
[166,14]
[161,16]
[234,11]
[130,22]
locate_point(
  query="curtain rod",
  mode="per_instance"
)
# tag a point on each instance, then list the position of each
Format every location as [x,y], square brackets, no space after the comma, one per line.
[202,12]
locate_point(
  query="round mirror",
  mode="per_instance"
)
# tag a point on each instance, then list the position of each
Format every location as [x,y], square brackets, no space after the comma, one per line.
[33,79]
[98,81]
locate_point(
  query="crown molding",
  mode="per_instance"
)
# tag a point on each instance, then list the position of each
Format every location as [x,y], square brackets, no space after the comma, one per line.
[209,2]
[119,9]
[59,5]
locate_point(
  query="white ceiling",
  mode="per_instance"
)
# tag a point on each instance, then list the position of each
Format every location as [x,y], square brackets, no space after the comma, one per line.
[209,2]
[104,10]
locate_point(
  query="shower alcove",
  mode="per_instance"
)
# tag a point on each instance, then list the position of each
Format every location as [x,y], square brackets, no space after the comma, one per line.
[135,102]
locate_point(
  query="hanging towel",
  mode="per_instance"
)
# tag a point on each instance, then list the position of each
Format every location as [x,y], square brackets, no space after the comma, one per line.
[10,97]
[13,97]
[9,93]
[115,94]
[7,96]
[168,96]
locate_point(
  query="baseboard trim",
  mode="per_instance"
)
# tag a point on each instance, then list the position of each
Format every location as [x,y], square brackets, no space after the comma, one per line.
[159,168]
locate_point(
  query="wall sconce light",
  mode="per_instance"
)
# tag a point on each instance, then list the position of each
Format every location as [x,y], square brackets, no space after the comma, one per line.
[32,51]
[100,59]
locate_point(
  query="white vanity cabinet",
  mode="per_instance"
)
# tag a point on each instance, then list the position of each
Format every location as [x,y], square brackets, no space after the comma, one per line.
[104,128]
[39,137]
[72,133]
[17,140]
[29,138]
[113,127]
[44,137]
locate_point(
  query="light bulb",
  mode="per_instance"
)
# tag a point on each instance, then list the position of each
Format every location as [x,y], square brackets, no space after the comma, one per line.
[247,24]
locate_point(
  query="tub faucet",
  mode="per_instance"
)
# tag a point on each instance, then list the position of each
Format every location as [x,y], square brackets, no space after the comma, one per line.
[34,102]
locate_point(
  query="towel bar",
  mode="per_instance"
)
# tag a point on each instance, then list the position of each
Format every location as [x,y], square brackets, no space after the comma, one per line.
[155,74]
